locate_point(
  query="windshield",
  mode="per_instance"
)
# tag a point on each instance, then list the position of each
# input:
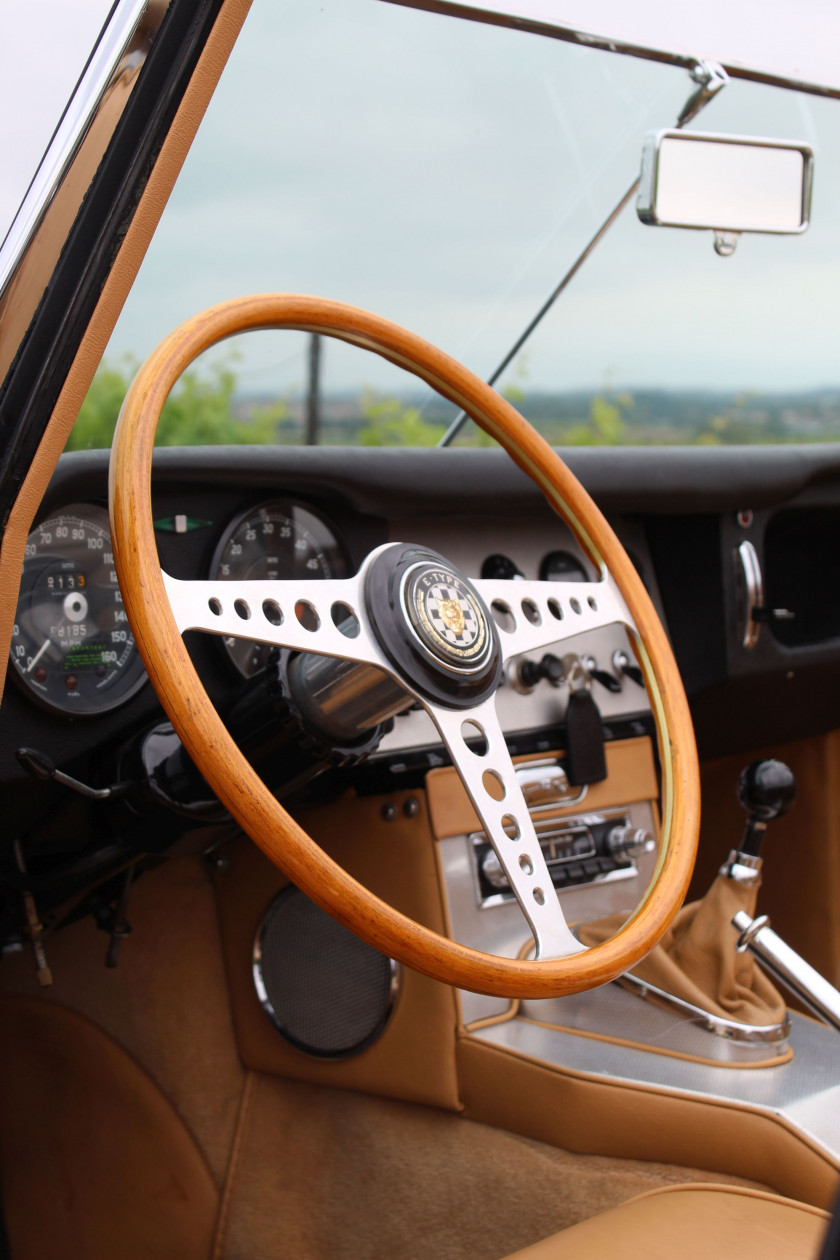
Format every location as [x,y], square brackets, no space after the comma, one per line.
[446,174]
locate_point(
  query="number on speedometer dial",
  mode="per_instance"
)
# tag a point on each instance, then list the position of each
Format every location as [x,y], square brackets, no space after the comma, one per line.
[276,540]
[72,646]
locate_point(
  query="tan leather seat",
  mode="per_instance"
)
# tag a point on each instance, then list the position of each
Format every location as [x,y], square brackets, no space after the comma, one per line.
[692,1222]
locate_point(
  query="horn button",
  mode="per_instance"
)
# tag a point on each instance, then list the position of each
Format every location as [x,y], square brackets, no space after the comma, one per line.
[433,625]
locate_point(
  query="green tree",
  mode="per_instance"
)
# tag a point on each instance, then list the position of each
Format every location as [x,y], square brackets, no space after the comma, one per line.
[388,422]
[198,412]
[97,418]
[606,424]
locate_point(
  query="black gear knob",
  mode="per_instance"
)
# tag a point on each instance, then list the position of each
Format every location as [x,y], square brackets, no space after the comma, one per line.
[766,789]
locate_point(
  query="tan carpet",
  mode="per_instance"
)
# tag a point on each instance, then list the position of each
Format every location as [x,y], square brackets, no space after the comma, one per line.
[166,1001]
[325,1175]
[317,1172]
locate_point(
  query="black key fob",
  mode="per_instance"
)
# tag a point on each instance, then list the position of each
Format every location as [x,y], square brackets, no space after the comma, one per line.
[585,759]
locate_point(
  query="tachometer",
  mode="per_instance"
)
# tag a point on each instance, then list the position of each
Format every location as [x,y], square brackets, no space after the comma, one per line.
[72,646]
[276,540]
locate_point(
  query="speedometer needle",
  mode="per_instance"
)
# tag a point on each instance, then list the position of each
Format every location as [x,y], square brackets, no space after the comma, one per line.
[35,659]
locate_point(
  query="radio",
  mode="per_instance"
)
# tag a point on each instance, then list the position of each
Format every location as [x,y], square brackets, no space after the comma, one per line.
[582,849]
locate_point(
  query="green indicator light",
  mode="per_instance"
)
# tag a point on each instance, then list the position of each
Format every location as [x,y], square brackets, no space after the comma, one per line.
[180,524]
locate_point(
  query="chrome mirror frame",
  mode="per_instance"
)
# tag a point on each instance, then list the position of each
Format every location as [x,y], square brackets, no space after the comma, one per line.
[648,200]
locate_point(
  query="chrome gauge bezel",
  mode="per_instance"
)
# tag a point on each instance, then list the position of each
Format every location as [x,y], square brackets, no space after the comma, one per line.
[127,675]
[315,522]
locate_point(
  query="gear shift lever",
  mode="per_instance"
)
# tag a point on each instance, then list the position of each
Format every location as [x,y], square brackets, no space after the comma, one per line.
[766,790]
[696,964]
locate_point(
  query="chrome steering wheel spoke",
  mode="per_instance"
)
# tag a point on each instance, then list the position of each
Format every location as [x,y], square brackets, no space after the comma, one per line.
[326,616]
[533,615]
[331,617]
[489,777]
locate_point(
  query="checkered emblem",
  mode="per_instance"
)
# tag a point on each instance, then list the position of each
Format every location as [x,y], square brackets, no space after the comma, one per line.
[452,615]
[447,617]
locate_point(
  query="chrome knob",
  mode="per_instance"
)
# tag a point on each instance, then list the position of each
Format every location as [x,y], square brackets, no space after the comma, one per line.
[491,869]
[625,841]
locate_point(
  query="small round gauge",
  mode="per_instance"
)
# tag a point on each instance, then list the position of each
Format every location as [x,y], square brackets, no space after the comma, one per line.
[562,566]
[72,646]
[500,566]
[276,540]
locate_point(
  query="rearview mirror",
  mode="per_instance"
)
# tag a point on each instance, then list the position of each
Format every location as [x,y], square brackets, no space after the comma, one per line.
[730,184]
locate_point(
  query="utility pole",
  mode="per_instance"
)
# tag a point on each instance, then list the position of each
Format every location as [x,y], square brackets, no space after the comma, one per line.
[313,400]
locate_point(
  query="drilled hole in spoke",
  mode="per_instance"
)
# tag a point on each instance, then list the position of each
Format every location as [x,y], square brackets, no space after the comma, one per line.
[510,827]
[493,785]
[503,616]
[526,864]
[215,606]
[539,896]
[272,612]
[593,603]
[345,620]
[575,605]
[242,609]
[531,612]
[555,609]
[307,616]
[472,733]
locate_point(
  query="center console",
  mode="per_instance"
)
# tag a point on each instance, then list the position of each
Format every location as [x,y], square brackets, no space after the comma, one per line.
[599,843]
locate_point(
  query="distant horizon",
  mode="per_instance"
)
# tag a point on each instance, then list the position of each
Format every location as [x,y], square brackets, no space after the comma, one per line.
[577,391]
[579,416]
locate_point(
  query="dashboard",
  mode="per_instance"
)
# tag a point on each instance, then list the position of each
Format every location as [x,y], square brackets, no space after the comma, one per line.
[72,646]
[78,694]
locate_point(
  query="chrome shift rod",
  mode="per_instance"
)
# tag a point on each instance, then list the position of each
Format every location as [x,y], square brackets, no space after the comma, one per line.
[788,967]
[767,789]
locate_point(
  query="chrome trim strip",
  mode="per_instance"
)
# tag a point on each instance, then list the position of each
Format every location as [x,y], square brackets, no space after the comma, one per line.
[750,591]
[546,787]
[103,68]
[514,16]
[774,1035]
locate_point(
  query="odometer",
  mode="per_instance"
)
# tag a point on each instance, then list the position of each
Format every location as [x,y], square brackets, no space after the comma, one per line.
[72,646]
[274,540]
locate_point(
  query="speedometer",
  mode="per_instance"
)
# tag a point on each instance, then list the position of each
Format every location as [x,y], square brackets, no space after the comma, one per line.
[275,540]
[72,647]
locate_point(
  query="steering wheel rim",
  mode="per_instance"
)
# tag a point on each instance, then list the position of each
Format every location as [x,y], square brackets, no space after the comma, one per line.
[147,594]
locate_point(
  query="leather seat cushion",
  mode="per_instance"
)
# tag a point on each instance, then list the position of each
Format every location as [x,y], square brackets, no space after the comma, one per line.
[692,1222]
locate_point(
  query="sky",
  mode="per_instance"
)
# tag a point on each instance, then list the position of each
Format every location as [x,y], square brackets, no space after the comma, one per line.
[446,175]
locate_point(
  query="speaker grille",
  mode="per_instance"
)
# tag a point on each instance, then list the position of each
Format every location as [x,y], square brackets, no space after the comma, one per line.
[329,993]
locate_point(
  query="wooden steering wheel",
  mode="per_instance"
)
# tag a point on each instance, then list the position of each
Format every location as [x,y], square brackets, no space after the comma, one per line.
[396,601]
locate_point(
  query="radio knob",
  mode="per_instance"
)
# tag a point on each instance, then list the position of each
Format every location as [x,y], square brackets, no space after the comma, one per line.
[491,869]
[626,841]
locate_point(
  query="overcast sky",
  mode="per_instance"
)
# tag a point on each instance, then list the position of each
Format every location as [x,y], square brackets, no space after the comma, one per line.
[446,175]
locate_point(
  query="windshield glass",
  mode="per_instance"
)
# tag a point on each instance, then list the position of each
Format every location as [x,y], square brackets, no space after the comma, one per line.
[446,175]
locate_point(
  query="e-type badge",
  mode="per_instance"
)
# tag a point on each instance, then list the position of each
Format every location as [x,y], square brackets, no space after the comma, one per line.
[447,617]
[452,614]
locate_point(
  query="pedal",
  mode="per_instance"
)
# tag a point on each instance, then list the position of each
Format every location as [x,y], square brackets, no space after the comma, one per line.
[35,931]
[34,927]
[113,921]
